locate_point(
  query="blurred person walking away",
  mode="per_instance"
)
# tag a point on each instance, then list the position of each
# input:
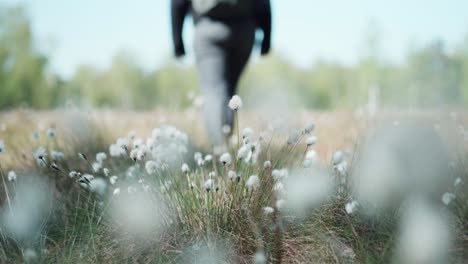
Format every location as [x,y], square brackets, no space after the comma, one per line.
[224,38]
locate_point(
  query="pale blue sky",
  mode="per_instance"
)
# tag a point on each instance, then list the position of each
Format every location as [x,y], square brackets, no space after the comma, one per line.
[91,31]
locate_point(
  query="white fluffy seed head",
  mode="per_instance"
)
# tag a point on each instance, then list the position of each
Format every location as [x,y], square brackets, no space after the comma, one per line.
[253,183]
[235,103]
[185,168]
[226,129]
[151,166]
[268,210]
[113,179]
[245,153]
[310,141]
[208,158]
[267,164]
[351,206]
[100,157]
[208,185]
[338,157]
[309,128]
[232,175]
[447,198]
[225,158]
[11,176]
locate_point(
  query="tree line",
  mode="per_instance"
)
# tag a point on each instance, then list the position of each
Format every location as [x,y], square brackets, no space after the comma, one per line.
[430,76]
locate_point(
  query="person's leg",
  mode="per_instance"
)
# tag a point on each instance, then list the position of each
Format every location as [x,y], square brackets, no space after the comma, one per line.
[211,57]
[240,48]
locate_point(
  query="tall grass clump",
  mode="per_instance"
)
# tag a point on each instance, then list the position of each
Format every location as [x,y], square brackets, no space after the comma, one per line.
[262,197]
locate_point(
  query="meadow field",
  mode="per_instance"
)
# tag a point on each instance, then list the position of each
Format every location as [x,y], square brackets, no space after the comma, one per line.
[108,186]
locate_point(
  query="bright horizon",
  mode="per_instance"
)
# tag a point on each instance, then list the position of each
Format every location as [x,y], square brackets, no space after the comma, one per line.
[92,32]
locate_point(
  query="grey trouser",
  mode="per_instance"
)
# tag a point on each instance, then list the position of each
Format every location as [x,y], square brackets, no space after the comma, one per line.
[222,50]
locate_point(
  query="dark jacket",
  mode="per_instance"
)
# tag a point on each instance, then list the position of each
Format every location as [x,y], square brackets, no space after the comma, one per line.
[181,8]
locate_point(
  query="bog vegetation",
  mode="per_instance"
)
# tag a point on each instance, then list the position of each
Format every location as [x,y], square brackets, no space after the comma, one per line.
[75,193]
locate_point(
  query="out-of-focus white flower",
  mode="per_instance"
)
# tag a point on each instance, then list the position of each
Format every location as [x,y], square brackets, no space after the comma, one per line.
[253,182]
[448,197]
[106,172]
[97,166]
[294,137]
[232,175]
[116,150]
[138,142]
[309,128]
[256,150]
[123,143]
[113,179]
[338,157]
[40,155]
[310,141]
[307,188]
[85,180]
[100,157]
[212,174]
[397,162]
[226,129]
[11,176]
[260,257]
[208,158]
[279,174]
[2,147]
[267,164]
[201,162]
[263,136]
[457,182]
[56,155]
[307,163]
[185,168]
[167,184]
[208,185]
[132,172]
[98,186]
[235,103]
[51,133]
[142,151]
[156,133]
[280,204]
[341,168]
[268,210]
[197,156]
[151,166]
[245,153]
[312,155]
[247,133]
[225,158]
[134,154]
[351,206]
[425,236]
[29,255]
[116,191]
